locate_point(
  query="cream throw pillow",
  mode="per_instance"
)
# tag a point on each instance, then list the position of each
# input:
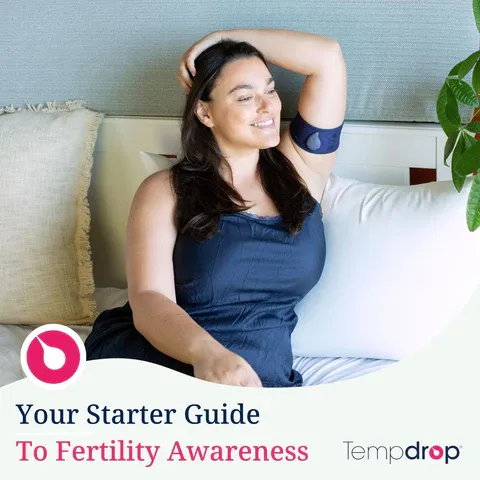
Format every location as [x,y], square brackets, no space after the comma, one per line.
[46,156]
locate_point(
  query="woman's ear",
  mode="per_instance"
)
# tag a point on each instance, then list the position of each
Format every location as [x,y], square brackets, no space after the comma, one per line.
[202,113]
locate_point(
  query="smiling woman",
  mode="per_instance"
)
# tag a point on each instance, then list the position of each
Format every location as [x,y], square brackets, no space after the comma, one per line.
[212,290]
[235,108]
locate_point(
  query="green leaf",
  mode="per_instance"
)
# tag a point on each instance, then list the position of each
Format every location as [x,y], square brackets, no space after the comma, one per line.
[470,140]
[455,69]
[458,180]
[476,78]
[469,161]
[473,205]
[451,108]
[473,127]
[450,143]
[464,92]
[476,13]
[444,105]
[468,64]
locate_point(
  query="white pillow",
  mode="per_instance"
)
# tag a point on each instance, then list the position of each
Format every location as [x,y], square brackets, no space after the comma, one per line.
[154,162]
[401,265]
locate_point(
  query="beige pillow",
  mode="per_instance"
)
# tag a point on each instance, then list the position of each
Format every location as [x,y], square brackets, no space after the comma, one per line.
[46,156]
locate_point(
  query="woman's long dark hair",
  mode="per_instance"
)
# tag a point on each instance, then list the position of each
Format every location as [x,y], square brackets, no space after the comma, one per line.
[202,194]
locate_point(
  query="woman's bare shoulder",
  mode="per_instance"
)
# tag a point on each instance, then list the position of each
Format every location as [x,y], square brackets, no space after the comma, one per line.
[157,188]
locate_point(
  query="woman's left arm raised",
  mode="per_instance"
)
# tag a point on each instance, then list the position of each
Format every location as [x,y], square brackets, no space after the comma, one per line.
[323,97]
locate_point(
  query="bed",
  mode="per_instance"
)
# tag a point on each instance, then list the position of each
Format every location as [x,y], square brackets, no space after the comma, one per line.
[314,370]
[384,153]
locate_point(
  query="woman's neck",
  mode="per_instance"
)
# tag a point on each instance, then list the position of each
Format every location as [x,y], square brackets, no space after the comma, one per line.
[243,168]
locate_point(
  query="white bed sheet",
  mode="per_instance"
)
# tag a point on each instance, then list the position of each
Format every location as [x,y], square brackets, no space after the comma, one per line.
[315,370]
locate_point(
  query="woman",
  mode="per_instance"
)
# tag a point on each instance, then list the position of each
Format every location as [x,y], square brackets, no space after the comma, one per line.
[221,247]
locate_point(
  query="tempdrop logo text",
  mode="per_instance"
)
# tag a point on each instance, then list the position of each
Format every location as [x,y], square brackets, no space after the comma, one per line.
[53,356]
[393,453]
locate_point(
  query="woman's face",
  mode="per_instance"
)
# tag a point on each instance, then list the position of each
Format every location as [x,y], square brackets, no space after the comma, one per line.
[244,95]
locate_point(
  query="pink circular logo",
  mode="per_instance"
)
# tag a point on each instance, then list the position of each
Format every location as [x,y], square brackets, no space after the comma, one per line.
[53,356]
[436,452]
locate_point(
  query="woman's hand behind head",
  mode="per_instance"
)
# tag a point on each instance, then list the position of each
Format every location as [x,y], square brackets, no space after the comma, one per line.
[186,68]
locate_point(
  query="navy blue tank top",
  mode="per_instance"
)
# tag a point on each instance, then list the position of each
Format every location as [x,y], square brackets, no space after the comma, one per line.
[242,285]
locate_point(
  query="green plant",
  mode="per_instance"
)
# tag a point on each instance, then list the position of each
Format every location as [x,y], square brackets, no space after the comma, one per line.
[465,148]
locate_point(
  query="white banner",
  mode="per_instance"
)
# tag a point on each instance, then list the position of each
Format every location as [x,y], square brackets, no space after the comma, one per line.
[415,419]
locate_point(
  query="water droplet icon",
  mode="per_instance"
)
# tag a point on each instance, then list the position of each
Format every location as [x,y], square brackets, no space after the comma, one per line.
[53,357]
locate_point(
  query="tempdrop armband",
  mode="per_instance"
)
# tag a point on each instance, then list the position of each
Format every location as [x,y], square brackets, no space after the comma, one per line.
[313,139]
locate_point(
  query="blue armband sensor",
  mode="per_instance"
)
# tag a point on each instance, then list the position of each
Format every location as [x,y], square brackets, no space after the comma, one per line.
[313,139]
